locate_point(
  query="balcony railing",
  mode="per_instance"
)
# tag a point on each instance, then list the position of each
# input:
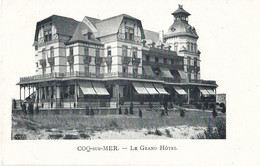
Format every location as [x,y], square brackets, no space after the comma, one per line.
[43,62]
[98,60]
[51,61]
[136,61]
[123,37]
[110,75]
[108,60]
[87,59]
[70,59]
[126,60]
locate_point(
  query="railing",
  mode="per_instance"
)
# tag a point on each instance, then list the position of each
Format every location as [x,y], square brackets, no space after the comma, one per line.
[157,64]
[70,59]
[98,60]
[126,60]
[51,60]
[40,77]
[43,62]
[108,60]
[123,37]
[111,75]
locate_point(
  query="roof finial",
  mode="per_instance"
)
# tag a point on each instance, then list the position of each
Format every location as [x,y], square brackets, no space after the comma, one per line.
[180,6]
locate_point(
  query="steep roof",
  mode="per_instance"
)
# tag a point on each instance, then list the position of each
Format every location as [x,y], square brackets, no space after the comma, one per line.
[64,25]
[111,25]
[93,21]
[79,36]
[180,10]
[151,35]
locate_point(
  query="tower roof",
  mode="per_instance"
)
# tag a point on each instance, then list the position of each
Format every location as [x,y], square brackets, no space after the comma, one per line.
[180,10]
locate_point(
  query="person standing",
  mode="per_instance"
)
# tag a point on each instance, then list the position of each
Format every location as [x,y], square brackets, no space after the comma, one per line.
[131,108]
[140,113]
[162,110]
[120,110]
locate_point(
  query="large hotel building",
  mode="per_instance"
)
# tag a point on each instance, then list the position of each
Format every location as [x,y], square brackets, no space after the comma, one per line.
[112,62]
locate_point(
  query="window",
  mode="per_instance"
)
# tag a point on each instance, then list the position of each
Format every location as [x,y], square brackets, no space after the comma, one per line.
[71,68]
[43,54]
[109,68]
[52,68]
[195,48]
[195,61]
[109,51]
[97,52]
[175,47]
[97,69]
[196,76]
[71,50]
[188,61]
[124,69]
[134,52]
[43,70]
[37,64]
[165,60]
[191,47]
[135,72]
[172,61]
[47,35]
[156,59]
[86,51]
[86,66]
[147,57]
[129,33]
[124,50]
[188,46]
[52,52]
[189,75]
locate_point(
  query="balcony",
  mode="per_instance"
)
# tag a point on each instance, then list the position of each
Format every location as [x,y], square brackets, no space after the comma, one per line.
[70,59]
[51,61]
[126,60]
[197,69]
[136,61]
[98,60]
[121,36]
[43,62]
[87,59]
[108,60]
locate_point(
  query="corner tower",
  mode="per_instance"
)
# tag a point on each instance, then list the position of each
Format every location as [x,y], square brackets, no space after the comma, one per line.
[182,38]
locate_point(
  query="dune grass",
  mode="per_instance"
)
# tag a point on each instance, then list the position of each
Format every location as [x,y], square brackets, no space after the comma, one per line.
[149,120]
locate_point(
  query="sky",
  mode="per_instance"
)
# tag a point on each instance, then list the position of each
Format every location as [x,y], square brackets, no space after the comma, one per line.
[228,40]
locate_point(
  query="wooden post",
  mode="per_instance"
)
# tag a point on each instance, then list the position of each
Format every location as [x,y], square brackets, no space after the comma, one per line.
[24,92]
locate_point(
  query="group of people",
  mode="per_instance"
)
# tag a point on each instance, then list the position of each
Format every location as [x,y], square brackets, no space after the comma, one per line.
[29,108]
[89,111]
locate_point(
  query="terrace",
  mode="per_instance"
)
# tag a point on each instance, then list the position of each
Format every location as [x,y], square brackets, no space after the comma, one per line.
[75,75]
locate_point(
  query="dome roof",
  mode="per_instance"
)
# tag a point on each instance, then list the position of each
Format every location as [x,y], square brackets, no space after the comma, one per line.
[181,28]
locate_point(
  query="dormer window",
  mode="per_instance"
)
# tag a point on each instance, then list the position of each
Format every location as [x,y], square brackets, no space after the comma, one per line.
[134,52]
[129,33]
[71,51]
[43,54]
[109,51]
[52,52]
[47,35]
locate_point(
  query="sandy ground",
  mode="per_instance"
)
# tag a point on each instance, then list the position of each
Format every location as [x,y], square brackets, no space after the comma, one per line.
[173,132]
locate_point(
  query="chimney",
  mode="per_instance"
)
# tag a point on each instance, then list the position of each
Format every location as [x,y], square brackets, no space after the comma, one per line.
[161,34]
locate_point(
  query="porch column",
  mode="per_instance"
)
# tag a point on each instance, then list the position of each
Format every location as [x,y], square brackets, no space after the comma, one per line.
[188,95]
[29,90]
[20,93]
[116,95]
[76,93]
[24,92]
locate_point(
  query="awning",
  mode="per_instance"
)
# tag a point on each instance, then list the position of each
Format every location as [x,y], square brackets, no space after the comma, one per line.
[166,72]
[148,71]
[203,91]
[150,89]
[87,88]
[100,88]
[160,89]
[179,90]
[182,74]
[140,88]
[210,91]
